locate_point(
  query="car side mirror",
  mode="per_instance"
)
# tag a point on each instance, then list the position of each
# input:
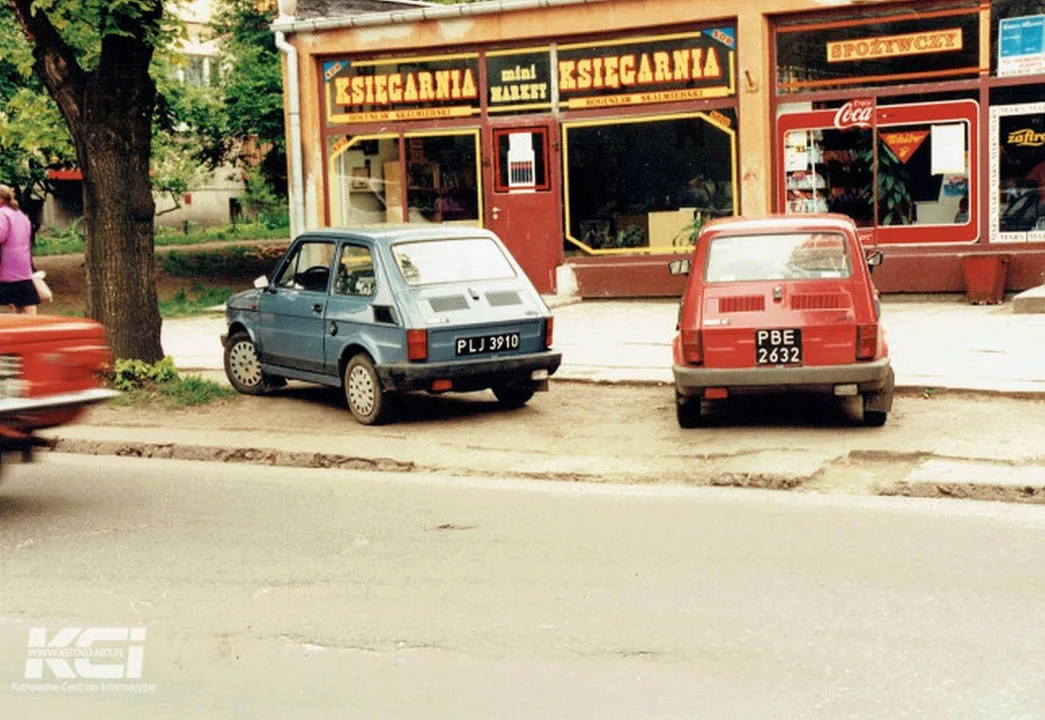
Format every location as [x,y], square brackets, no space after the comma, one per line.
[679,267]
[874,259]
[261,282]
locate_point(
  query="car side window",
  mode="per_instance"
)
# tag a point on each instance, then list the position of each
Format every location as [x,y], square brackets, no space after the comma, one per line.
[355,272]
[308,268]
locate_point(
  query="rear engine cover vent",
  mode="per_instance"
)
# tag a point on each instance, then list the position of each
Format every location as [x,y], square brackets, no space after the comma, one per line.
[502,298]
[819,301]
[741,303]
[446,303]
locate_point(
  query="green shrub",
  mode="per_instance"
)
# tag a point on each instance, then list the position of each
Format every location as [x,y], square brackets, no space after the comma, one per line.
[142,384]
[198,299]
[59,240]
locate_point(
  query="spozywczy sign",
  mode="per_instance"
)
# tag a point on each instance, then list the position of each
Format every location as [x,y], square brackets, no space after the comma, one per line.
[97,653]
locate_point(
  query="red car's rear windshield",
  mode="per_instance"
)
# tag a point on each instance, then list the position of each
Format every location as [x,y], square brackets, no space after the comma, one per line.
[784,256]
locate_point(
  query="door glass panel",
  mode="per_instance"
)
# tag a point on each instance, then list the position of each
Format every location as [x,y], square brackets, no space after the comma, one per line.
[308,268]
[522,160]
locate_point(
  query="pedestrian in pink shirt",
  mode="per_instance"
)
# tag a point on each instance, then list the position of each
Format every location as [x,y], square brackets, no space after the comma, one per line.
[16,265]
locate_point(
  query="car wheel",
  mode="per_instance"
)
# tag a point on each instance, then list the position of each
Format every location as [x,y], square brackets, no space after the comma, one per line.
[878,404]
[512,395]
[875,418]
[688,411]
[243,367]
[369,403]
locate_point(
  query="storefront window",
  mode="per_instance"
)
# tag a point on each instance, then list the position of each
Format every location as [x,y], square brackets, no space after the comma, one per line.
[829,170]
[366,179]
[1018,173]
[878,46]
[441,173]
[923,174]
[921,155]
[364,185]
[642,185]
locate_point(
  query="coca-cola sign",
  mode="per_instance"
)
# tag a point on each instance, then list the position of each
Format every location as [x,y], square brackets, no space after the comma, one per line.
[856,113]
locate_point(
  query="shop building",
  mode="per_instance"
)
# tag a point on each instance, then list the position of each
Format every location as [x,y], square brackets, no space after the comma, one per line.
[596,135]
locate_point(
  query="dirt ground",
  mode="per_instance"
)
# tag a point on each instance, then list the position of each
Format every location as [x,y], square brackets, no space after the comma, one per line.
[601,433]
[66,275]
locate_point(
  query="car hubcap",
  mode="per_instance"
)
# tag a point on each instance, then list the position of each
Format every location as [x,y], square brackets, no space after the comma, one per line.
[361,390]
[244,365]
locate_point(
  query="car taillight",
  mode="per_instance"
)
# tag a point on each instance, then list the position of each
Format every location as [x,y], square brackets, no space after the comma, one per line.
[866,342]
[416,344]
[549,332]
[692,347]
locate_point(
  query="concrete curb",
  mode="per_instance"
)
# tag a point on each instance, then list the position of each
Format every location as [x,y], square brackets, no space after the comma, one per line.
[923,475]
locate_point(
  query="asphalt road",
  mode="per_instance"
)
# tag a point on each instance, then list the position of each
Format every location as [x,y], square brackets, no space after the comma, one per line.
[281,593]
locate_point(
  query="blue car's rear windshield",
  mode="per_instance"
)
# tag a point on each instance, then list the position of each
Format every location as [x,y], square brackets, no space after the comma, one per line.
[787,256]
[431,262]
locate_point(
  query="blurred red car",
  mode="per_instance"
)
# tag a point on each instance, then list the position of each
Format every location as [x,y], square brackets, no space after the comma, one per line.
[780,304]
[48,375]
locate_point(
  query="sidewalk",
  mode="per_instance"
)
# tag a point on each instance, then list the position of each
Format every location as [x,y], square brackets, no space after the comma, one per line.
[933,344]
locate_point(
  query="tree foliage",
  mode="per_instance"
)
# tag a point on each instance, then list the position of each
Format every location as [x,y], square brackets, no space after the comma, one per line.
[33,137]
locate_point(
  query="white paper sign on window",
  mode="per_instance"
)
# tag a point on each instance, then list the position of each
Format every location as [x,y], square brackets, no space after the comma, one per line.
[948,149]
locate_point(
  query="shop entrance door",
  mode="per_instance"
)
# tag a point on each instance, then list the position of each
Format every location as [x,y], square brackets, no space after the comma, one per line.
[523,198]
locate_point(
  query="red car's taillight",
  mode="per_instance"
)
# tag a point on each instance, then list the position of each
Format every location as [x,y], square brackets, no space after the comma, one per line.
[692,347]
[417,344]
[866,342]
[549,332]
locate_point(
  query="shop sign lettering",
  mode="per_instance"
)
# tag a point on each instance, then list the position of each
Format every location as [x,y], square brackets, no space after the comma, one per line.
[411,87]
[922,43]
[519,80]
[1026,137]
[856,113]
[644,70]
[623,71]
[904,144]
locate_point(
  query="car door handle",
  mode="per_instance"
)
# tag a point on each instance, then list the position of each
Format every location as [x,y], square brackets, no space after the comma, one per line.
[318,307]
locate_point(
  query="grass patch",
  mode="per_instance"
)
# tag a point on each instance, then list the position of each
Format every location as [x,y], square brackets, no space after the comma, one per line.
[67,240]
[143,384]
[194,301]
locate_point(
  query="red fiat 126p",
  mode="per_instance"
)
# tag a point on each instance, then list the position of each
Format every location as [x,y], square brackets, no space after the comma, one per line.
[780,304]
[48,375]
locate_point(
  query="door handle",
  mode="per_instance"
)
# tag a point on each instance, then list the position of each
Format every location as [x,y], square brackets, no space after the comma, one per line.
[317,308]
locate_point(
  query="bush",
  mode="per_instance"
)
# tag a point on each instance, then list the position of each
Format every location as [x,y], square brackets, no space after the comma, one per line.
[143,383]
[232,262]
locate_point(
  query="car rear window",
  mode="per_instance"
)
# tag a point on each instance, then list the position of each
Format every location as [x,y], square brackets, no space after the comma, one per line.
[430,262]
[785,256]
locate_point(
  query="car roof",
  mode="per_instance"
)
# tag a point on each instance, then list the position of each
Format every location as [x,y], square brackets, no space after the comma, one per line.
[388,234]
[780,223]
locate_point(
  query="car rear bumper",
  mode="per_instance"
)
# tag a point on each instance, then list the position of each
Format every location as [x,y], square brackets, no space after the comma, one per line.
[12,407]
[470,374]
[868,377]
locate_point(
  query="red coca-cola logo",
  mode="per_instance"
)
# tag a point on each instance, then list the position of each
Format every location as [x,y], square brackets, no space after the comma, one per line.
[855,113]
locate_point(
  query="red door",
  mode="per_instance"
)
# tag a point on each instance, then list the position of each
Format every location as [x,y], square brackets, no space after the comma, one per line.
[523,198]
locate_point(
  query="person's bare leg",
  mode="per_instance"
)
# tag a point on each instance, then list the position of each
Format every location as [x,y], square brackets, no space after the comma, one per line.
[27,310]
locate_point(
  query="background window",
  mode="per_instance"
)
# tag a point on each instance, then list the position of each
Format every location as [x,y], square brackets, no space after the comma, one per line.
[522,159]
[643,184]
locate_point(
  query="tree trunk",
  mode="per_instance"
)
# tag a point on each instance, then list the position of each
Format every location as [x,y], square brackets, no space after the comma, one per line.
[119,243]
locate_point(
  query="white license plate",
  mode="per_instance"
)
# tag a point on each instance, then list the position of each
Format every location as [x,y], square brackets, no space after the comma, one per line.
[778,347]
[495,342]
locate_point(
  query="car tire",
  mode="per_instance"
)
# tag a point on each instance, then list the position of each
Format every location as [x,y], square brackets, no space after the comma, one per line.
[688,411]
[512,395]
[368,402]
[243,367]
[878,404]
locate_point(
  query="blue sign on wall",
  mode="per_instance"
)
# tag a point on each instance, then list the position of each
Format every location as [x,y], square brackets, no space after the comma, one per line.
[1021,45]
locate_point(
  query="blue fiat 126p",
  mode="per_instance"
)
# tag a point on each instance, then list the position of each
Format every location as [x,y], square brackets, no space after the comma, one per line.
[382,310]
